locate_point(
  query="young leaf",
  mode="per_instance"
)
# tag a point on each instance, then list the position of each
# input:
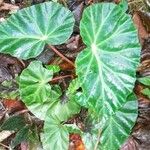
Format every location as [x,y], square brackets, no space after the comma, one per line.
[25,33]
[113,131]
[106,68]
[35,90]
[54,130]
[55,136]
[53,68]
[145,80]
[73,128]
[146,92]
[13,123]
[77,96]
[63,111]
[33,84]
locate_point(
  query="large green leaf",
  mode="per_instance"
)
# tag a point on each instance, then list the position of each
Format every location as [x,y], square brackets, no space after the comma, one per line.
[25,33]
[112,132]
[106,68]
[35,91]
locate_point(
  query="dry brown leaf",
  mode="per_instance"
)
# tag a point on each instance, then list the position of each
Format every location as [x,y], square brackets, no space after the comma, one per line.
[76,142]
[13,105]
[5,134]
[1,1]
[10,7]
[141,21]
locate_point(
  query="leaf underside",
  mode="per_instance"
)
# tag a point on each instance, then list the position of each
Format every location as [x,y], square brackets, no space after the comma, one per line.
[106,68]
[25,33]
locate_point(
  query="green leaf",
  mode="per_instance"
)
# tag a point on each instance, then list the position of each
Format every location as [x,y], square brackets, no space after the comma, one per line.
[145,80]
[13,123]
[54,130]
[76,95]
[73,128]
[9,89]
[106,68]
[124,5]
[55,136]
[33,84]
[63,110]
[22,135]
[53,68]
[35,90]
[25,33]
[40,109]
[146,92]
[33,139]
[73,86]
[113,131]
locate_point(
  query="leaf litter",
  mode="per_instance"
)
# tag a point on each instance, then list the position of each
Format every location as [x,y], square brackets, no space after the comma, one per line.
[9,67]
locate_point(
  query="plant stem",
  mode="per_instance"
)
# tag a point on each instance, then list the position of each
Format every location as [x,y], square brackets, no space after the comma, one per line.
[21,112]
[61,77]
[61,55]
[98,138]
[5,146]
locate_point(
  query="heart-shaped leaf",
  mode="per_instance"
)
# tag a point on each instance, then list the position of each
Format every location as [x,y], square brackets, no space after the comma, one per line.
[35,90]
[106,68]
[54,130]
[55,136]
[112,132]
[25,33]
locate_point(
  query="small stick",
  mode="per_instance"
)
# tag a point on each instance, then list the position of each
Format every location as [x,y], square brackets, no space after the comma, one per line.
[61,77]
[21,112]
[4,145]
[61,55]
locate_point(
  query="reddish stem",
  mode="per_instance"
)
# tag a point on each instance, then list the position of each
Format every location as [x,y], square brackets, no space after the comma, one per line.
[61,77]
[61,55]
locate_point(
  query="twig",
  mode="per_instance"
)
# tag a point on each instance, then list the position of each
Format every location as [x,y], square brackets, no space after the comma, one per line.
[21,112]
[4,145]
[61,77]
[61,55]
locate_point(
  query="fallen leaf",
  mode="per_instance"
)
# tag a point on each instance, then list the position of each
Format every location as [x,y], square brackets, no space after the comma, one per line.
[13,105]
[10,7]
[76,142]
[142,22]
[5,135]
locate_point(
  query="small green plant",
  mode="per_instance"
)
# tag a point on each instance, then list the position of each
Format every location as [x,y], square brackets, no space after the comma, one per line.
[145,81]
[106,72]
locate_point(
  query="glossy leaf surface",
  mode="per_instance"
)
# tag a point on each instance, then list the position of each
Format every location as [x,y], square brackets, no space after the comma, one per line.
[35,90]
[55,136]
[113,131]
[25,33]
[106,68]
[54,130]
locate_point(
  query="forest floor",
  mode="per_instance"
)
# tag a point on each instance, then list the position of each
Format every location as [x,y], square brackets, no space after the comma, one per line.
[10,67]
